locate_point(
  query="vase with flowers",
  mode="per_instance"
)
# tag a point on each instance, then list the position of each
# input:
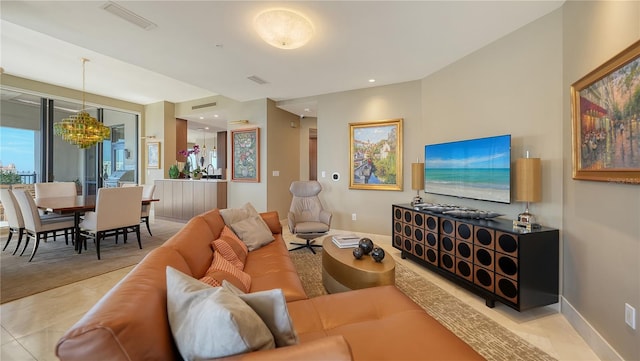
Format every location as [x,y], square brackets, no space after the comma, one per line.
[186,169]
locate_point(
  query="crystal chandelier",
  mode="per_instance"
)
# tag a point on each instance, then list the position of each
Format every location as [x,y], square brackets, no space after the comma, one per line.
[82,129]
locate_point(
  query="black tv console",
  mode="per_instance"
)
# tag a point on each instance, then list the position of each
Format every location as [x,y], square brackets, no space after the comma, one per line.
[515,266]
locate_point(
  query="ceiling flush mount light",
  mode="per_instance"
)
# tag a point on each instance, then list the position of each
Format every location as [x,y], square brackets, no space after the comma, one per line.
[283,28]
[82,129]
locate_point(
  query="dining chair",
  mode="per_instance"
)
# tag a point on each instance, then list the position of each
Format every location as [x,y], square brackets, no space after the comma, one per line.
[117,209]
[34,225]
[13,215]
[54,189]
[147,193]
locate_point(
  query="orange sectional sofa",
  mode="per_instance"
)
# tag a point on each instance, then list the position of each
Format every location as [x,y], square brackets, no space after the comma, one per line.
[130,322]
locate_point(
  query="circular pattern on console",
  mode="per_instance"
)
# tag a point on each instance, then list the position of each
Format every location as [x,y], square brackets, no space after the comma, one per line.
[484,236]
[397,213]
[418,219]
[408,246]
[507,288]
[407,216]
[464,231]
[464,269]
[397,241]
[431,223]
[464,250]
[484,257]
[447,261]
[508,266]
[408,231]
[483,277]
[418,234]
[508,243]
[447,226]
[418,250]
[432,240]
[447,244]
[431,256]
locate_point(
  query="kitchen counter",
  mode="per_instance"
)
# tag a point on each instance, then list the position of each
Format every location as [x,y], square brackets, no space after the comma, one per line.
[181,199]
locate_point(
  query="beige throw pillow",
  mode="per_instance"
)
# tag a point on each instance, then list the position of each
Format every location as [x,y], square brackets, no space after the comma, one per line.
[210,322]
[271,306]
[253,232]
[248,225]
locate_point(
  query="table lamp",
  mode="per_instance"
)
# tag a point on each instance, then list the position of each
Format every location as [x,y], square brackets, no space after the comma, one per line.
[528,185]
[417,181]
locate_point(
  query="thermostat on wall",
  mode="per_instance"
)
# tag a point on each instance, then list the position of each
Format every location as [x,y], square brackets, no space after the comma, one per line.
[335,176]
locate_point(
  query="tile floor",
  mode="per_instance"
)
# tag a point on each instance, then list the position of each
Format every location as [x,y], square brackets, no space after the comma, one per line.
[31,326]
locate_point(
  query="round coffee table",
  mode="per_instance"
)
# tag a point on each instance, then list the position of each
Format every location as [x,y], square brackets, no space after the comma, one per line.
[342,272]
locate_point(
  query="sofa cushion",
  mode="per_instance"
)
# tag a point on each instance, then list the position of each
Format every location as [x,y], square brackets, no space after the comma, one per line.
[209,322]
[271,306]
[221,270]
[214,220]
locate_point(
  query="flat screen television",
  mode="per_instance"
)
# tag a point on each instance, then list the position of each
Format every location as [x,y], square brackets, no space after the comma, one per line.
[474,168]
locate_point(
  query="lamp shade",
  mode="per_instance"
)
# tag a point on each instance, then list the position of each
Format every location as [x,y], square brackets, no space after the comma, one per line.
[528,180]
[417,176]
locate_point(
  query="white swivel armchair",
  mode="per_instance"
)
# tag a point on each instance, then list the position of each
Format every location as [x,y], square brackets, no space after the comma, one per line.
[307,219]
[117,209]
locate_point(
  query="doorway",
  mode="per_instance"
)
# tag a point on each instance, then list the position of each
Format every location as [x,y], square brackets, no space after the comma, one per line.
[313,154]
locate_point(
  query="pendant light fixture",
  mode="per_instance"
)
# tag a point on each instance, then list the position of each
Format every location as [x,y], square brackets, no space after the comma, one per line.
[82,129]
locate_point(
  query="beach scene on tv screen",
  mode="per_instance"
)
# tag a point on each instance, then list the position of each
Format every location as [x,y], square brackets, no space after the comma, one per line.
[475,168]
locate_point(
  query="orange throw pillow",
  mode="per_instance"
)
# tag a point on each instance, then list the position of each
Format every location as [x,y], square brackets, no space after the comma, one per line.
[224,248]
[221,269]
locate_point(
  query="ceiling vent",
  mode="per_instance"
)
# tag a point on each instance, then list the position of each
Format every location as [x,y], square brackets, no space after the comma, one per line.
[204,106]
[257,79]
[128,15]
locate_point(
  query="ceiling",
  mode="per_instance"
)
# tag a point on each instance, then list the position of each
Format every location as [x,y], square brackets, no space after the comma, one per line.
[203,48]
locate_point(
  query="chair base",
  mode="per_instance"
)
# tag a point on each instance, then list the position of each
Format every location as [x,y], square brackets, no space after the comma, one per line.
[310,238]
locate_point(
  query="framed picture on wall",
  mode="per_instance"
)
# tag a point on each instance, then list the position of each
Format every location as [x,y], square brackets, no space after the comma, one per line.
[606,120]
[245,155]
[153,155]
[375,155]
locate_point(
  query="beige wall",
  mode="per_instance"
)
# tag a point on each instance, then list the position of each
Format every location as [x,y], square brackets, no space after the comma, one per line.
[283,156]
[160,122]
[239,193]
[335,112]
[601,228]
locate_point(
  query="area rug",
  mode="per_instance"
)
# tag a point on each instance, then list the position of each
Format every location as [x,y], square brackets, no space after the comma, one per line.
[57,264]
[488,338]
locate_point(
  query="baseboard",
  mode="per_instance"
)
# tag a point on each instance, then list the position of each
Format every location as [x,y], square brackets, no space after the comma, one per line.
[598,344]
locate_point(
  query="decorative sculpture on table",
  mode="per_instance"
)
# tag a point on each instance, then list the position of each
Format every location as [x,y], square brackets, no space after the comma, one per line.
[366,245]
[358,253]
[377,254]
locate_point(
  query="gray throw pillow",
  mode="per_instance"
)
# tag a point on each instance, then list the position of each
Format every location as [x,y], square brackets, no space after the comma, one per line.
[253,232]
[271,306]
[211,322]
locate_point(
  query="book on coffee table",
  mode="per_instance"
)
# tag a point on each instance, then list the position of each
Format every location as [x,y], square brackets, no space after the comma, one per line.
[346,240]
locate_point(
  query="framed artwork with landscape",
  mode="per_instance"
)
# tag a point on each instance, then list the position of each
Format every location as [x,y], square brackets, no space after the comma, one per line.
[245,155]
[375,155]
[153,155]
[606,120]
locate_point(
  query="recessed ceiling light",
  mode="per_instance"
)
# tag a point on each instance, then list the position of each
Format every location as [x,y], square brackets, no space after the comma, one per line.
[372,80]
[215,115]
[307,109]
[201,117]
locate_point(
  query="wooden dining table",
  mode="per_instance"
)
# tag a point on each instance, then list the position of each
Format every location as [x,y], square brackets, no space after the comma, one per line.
[76,205]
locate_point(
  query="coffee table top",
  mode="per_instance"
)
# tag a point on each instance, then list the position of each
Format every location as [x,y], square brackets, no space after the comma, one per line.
[365,264]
